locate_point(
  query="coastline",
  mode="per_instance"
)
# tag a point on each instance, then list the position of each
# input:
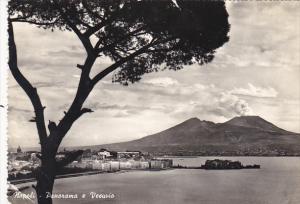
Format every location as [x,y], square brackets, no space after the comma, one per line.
[22,181]
[32,180]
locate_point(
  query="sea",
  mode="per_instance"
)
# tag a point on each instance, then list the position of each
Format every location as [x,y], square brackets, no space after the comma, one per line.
[276,182]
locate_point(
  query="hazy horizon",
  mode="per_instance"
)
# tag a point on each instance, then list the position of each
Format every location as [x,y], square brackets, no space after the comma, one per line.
[29,147]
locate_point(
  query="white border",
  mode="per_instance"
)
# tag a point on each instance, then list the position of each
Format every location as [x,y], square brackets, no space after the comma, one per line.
[3,100]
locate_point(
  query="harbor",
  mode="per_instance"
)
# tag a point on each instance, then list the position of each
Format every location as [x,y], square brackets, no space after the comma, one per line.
[190,186]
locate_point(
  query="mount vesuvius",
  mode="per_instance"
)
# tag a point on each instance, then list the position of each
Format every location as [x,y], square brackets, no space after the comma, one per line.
[240,136]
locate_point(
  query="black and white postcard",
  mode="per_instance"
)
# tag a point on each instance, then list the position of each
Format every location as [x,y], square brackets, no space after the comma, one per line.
[150,102]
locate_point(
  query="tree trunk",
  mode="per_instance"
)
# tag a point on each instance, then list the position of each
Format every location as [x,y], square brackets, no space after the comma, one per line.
[45,180]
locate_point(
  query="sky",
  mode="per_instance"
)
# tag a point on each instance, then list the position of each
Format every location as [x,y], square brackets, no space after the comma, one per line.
[256,73]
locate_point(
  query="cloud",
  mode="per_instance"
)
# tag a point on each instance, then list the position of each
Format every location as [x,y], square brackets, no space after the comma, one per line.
[257,40]
[72,53]
[164,96]
[232,104]
[264,39]
[25,111]
[120,109]
[214,105]
[255,91]
[162,81]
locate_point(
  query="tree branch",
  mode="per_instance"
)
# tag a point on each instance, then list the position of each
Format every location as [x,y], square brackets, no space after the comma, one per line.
[94,29]
[117,64]
[75,111]
[34,22]
[84,40]
[30,91]
[98,26]
[80,66]
[90,11]
[111,45]
[52,126]
[86,110]
[69,158]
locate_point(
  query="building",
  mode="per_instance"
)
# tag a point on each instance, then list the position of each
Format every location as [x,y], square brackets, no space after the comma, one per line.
[105,166]
[19,150]
[135,164]
[114,165]
[129,154]
[144,165]
[103,154]
[125,165]
[97,165]
[161,163]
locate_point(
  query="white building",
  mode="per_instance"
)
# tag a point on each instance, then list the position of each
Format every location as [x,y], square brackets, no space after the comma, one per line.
[104,154]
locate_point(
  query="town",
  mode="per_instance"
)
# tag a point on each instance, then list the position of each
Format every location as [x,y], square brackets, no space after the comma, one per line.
[22,164]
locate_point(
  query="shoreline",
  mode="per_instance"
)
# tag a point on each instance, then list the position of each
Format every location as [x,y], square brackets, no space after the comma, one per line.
[30,180]
[172,156]
[21,181]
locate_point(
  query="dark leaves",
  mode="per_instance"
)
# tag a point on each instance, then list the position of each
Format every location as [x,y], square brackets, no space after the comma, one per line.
[183,35]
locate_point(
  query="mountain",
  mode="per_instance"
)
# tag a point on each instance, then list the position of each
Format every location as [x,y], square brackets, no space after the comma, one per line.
[244,135]
[183,133]
[255,122]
